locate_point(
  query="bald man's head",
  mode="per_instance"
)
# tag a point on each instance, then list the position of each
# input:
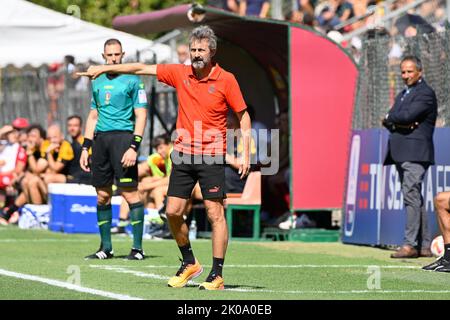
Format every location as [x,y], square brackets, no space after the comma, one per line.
[54,134]
[183,53]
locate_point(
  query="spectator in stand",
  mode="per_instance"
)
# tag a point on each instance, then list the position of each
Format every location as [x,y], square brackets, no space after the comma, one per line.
[294,16]
[20,126]
[48,161]
[227,5]
[343,10]
[58,155]
[409,25]
[14,136]
[304,14]
[75,173]
[183,54]
[358,8]
[307,6]
[13,161]
[258,8]
[326,18]
[31,186]
[308,20]
[336,12]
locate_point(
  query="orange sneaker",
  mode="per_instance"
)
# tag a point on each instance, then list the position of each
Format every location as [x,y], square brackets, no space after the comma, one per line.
[185,273]
[213,282]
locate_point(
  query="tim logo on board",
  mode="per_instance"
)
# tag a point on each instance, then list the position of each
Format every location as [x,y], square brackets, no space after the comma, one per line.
[352,186]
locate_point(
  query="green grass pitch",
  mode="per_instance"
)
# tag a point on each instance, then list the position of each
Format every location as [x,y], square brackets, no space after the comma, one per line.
[253,270]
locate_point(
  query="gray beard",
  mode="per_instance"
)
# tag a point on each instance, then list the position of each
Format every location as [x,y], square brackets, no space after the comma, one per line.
[198,64]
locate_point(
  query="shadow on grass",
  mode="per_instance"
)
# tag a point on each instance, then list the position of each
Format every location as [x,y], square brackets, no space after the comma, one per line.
[146,257]
[243,287]
[190,285]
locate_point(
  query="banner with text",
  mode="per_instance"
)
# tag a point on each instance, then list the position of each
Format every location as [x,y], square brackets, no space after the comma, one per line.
[374,212]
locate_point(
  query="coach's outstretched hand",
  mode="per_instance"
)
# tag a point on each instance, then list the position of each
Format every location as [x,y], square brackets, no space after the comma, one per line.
[93,72]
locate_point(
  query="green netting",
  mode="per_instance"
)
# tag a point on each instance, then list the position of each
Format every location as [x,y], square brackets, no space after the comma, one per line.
[380,79]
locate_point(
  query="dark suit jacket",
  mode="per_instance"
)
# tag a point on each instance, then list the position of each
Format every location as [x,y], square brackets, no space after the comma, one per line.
[414,145]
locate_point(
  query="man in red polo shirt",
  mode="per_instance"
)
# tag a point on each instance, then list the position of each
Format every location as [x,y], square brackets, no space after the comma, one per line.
[205,92]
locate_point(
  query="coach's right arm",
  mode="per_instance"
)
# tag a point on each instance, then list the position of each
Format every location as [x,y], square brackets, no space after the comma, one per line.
[128,68]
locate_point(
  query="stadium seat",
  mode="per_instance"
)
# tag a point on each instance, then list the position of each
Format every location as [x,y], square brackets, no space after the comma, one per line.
[249,199]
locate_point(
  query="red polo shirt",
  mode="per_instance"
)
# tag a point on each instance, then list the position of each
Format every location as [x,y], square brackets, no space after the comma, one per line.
[203,107]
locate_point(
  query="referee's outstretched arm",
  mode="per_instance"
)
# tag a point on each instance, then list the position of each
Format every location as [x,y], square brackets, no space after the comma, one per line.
[129,68]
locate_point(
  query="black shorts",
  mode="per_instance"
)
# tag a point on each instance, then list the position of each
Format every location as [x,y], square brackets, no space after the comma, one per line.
[184,176]
[108,149]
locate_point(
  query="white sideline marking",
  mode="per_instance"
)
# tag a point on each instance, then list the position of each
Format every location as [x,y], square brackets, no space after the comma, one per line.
[66,285]
[43,240]
[121,269]
[276,266]
[340,291]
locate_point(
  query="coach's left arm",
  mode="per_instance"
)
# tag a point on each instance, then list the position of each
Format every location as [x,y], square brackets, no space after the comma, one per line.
[246,126]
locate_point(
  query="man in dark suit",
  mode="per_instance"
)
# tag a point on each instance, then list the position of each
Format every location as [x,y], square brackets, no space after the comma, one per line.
[411,123]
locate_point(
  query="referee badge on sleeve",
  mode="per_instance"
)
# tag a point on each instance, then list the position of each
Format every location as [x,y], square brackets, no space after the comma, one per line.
[142,96]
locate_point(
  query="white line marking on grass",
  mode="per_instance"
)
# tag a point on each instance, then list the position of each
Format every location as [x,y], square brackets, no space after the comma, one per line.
[339,291]
[277,266]
[122,269]
[317,266]
[44,240]
[66,285]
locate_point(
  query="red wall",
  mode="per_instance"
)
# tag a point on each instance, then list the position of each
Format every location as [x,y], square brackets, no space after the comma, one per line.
[323,81]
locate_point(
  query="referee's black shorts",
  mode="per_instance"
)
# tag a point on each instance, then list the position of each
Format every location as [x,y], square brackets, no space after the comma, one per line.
[108,149]
[186,171]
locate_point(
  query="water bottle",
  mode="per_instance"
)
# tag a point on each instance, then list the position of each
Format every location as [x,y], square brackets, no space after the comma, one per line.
[193,230]
[147,226]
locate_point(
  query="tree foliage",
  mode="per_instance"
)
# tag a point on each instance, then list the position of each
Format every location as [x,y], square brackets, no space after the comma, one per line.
[102,12]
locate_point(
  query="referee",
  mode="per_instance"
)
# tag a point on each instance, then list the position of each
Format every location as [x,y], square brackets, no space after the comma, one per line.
[206,93]
[114,130]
